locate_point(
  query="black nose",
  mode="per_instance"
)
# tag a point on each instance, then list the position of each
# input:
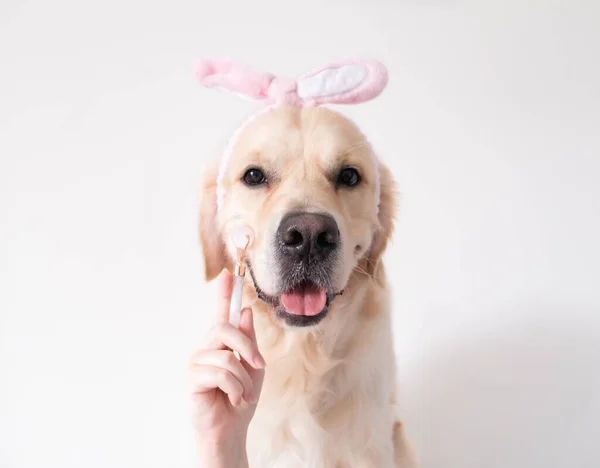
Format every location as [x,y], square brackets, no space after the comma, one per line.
[308,235]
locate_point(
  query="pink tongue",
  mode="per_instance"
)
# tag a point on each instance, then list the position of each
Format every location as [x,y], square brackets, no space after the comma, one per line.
[306,300]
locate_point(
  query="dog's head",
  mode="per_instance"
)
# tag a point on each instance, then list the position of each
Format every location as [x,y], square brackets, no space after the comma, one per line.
[305,181]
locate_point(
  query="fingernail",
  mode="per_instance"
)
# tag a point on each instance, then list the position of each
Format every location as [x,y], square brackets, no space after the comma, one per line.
[259,361]
[250,398]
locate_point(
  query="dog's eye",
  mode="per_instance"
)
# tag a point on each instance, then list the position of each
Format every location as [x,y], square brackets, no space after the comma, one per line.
[254,177]
[349,177]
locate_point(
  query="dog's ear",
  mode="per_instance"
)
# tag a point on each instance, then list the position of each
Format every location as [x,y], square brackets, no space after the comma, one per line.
[388,204]
[213,248]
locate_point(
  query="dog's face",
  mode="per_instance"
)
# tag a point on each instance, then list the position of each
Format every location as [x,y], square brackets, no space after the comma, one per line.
[304,181]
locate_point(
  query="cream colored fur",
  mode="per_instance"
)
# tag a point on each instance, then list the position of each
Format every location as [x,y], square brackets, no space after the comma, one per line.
[328,399]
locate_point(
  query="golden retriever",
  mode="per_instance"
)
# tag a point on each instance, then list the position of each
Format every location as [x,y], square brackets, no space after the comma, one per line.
[302,179]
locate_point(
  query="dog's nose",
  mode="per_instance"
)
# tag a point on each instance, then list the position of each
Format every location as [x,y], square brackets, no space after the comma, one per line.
[304,235]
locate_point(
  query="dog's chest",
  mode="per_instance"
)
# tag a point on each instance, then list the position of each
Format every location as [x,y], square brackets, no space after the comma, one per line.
[297,439]
[294,431]
[285,437]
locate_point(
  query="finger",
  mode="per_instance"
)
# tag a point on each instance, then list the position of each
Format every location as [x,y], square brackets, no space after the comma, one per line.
[224,296]
[226,336]
[226,360]
[257,375]
[247,323]
[207,378]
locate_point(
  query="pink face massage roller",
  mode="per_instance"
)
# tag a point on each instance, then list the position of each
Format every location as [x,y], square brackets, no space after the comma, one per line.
[241,238]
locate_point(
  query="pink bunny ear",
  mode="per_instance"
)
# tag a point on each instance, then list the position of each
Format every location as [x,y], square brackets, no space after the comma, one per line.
[342,82]
[233,77]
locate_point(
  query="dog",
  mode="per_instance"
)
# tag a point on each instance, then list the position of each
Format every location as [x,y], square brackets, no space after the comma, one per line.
[302,179]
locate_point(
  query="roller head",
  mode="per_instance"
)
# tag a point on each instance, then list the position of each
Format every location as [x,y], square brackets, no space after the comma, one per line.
[242,237]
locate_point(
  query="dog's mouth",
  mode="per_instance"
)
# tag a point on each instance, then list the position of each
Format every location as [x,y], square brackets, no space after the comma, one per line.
[304,304]
[305,299]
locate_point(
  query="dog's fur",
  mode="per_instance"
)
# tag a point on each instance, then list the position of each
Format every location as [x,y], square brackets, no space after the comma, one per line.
[328,399]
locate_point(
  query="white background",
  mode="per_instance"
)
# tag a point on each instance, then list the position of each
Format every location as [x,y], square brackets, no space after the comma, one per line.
[491,124]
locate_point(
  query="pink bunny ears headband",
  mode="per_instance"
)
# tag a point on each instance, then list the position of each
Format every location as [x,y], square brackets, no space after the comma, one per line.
[342,82]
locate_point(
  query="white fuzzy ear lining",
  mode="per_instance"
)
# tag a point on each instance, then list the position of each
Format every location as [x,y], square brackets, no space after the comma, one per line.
[331,82]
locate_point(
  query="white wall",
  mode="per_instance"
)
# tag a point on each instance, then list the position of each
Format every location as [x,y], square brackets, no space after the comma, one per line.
[491,123]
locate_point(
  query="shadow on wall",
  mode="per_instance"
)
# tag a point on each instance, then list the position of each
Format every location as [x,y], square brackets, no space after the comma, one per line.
[522,396]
